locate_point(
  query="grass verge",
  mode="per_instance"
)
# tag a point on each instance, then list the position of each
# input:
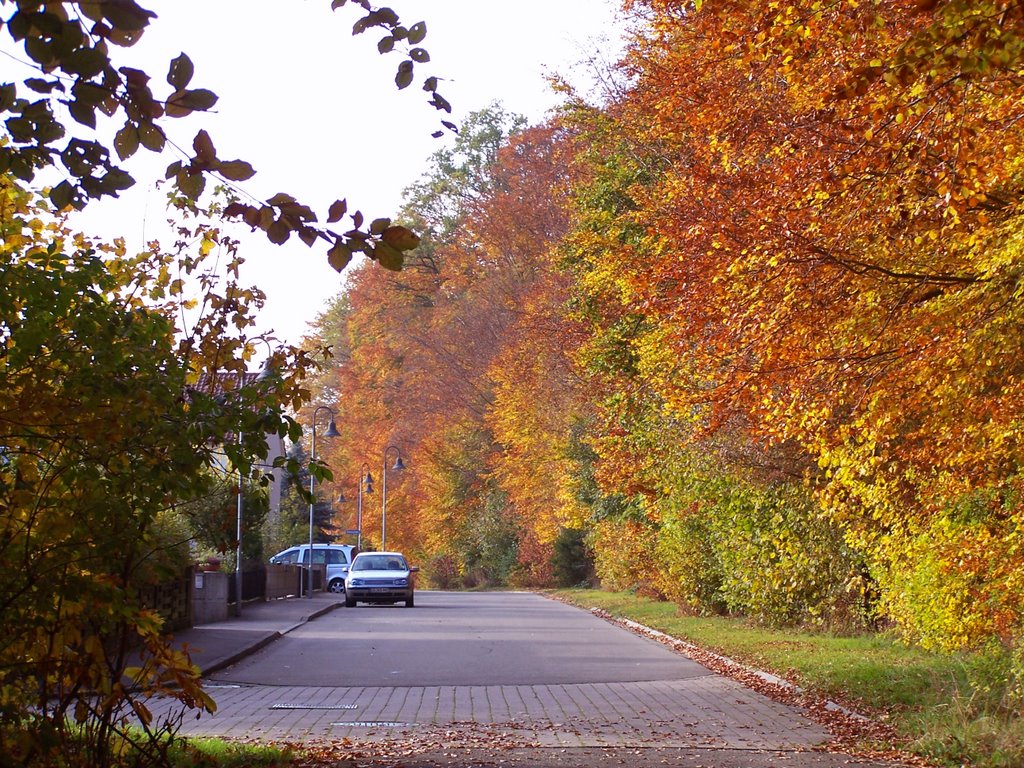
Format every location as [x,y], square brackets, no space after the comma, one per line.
[952,709]
[217,753]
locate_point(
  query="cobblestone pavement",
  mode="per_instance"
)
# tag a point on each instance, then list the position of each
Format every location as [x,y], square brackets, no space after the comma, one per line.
[707,711]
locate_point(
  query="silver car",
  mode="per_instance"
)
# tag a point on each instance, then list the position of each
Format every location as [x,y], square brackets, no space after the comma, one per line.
[380,577]
[337,558]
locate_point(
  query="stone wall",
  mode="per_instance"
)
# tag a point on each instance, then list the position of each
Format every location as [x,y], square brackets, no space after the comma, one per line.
[209,596]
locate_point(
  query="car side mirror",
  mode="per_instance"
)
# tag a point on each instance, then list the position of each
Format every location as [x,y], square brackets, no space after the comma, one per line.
[414,569]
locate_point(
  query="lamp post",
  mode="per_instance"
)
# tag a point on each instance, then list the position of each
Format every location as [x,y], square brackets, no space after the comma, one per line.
[384,493]
[367,480]
[332,431]
[238,534]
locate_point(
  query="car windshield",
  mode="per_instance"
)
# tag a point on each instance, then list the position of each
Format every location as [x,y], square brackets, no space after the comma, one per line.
[379,563]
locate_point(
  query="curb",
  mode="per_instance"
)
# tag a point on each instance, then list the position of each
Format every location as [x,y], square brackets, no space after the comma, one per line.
[264,641]
[220,664]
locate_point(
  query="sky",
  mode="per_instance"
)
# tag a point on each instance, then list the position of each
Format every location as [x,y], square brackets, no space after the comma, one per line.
[316,111]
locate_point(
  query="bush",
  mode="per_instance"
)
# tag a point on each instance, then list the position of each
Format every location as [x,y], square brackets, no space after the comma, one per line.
[443,572]
[955,581]
[624,555]
[572,563]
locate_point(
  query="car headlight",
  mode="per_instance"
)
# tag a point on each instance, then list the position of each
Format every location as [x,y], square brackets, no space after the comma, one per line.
[356,582]
[401,582]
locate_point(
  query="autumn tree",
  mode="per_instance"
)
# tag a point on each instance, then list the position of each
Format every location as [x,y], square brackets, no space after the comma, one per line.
[421,344]
[109,424]
[816,250]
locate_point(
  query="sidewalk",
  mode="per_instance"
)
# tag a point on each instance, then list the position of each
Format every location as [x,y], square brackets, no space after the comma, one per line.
[220,644]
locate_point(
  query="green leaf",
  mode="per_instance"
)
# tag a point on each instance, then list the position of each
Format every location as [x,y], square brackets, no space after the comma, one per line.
[440,102]
[430,84]
[339,256]
[39,85]
[279,232]
[386,44]
[180,72]
[83,113]
[63,195]
[191,184]
[404,77]
[127,15]
[116,180]
[40,51]
[202,144]
[182,103]
[401,238]
[419,55]
[85,62]
[126,141]
[336,211]
[8,94]
[152,136]
[235,170]
[417,32]
[378,226]
[388,256]
[233,209]
[281,199]
[252,216]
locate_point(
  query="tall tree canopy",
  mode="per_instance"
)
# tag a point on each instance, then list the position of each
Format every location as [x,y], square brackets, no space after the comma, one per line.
[756,328]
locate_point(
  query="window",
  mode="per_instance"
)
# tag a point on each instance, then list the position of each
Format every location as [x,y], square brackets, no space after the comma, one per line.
[291,556]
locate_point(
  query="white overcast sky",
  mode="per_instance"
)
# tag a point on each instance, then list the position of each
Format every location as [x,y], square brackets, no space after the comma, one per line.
[316,111]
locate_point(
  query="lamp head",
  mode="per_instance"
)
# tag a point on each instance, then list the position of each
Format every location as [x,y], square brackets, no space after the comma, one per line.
[332,429]
[269,371]
[399,464]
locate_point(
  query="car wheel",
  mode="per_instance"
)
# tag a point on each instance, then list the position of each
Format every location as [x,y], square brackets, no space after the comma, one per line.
[337,586]
[350,602]
[409,603]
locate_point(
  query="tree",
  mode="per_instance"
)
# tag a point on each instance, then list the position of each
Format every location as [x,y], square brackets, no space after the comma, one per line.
[106,428]
[814,249]
[293,525]
[75,46]
[416,348]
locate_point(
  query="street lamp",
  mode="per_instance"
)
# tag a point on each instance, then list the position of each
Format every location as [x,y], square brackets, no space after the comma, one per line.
[332,431]
[384,493]
[364,479]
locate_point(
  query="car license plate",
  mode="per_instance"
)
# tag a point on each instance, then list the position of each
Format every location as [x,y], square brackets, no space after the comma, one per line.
[380,589]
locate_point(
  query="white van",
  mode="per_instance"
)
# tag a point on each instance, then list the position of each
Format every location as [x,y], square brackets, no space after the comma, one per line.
[338,558]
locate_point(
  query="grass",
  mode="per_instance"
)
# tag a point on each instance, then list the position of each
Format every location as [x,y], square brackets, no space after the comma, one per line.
[952,709]
[217,753]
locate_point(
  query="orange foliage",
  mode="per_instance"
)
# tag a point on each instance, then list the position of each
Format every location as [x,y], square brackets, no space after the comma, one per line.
[825,209]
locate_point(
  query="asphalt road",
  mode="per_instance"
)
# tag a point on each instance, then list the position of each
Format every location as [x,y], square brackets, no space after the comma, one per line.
[506,680]
[461,639]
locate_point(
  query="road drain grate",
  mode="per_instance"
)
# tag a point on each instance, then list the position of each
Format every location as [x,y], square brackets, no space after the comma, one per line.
[374,724]
[314,706]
